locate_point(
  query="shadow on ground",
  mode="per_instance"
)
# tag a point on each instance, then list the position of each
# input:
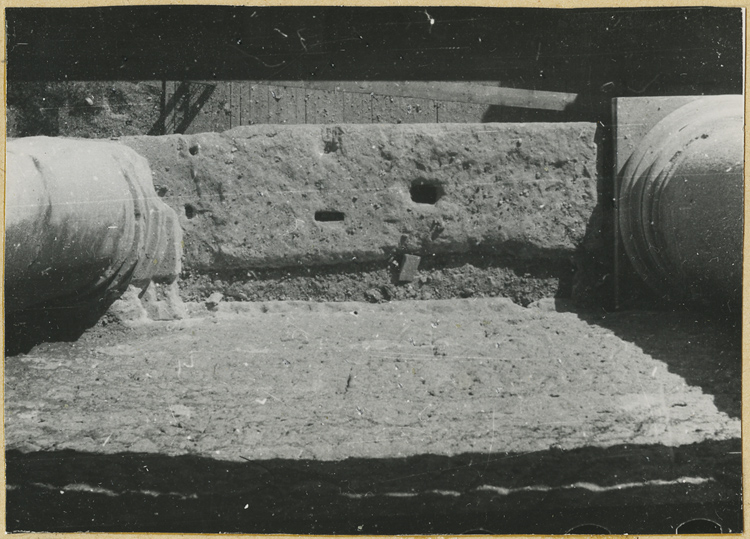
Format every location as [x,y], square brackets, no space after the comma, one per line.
[623,489]
[703,347]
[56,321]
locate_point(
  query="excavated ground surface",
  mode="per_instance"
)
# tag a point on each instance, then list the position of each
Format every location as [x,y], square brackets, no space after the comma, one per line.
[438,278]
[404,417]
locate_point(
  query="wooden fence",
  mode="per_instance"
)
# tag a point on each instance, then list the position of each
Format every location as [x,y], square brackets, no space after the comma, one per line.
[198,106]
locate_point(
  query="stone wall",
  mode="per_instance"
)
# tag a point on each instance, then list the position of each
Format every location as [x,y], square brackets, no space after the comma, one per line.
[315,195]
[355,198]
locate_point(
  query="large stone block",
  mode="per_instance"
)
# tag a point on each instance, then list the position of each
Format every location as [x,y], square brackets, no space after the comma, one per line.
[280,196]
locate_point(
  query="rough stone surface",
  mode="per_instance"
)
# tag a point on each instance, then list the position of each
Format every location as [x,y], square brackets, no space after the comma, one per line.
[248,197]
[163,301]
[128,308]
[137,306]
[409,268]
[212,303]
[439,367]
[325,417]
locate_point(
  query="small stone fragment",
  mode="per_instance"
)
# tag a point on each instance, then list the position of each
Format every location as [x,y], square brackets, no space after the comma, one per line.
[373,295]
[212,303]
[163,302]
[467,292]
[389,292]
[409,268]
[128,308]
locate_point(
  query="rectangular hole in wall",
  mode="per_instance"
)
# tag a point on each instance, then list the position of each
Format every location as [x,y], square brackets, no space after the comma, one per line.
[328,216]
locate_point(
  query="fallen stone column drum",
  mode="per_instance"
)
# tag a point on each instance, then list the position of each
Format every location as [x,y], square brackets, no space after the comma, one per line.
[83,222]
[681,202]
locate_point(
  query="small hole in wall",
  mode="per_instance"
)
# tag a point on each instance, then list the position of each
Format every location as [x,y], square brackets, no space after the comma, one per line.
[194,149]
[330,146]
[425,193]
[189,211]
[327,216]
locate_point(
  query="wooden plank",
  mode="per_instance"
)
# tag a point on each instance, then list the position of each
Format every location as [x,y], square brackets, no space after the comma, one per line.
[357,108]
[208,109]
[453,112]
[464,92]
[301,104]
[159,107]
[235,94]
[171,103]
[259,96]
[245,102]
[324,107]
[387,109]
[284,107]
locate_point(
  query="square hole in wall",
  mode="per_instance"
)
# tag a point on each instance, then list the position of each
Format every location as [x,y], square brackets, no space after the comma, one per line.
[329,216]
[425,192]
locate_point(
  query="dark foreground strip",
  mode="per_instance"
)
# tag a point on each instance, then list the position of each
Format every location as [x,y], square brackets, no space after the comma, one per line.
[623,489]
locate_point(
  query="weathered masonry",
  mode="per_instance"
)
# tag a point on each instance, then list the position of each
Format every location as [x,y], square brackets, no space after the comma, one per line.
[276,196]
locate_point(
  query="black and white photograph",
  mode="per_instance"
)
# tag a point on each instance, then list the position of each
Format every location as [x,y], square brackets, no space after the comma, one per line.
[373,270]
